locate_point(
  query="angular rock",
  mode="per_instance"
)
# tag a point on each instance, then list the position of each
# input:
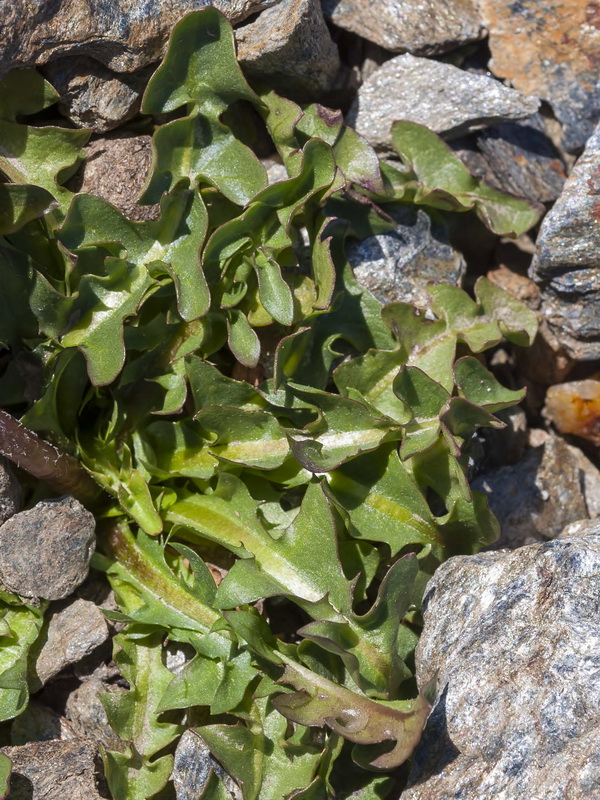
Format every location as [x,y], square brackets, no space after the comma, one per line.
[574,408]
[550,48]
[56,770]
[74,632]
[86,716]
[446,99]
[535,498]
[523,159]
[290,46]
[91,95]
[45,552]
[423,27]
[193,766]
[10,491]
[567,262]
[398,265]
[38,723]
[115,169]
[513,641]
[124,35]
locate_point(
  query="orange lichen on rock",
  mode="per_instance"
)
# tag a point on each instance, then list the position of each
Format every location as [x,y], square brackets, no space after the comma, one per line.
[575,408]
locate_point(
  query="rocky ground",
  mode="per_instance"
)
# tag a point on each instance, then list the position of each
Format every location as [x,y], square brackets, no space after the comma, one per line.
[511,634]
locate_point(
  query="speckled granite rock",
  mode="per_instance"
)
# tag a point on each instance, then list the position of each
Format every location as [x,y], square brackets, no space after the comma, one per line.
[193,766]
[124,35]
[398,265]
[567,261]
[290,45]
[515,643]
[550,48]
[45,552]
[92,96]
[535,498]
[446,99]
[418,26]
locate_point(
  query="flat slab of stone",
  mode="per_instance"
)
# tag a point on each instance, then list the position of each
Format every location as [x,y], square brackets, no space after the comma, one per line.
[423,27]
[45,552]
[514,640]
[567,261]
[550,48]
[56,770]
[448,100]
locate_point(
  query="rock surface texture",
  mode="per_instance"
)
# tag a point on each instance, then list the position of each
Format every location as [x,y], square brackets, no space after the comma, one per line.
[10,492]
[550,48]
[535,498]
[56,770]
[417,26]
[45,552]
[123,36]
[567,261]
[74,632]
[290,43]
[515,643]
[446,99]
[397,266]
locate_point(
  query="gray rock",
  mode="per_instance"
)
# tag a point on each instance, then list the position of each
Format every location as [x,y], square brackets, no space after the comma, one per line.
[45,552]
[73,632]
[513,641]
[535,498]
[124,35]
[86,716]
[116,169]
[192,767]
[38,723]
[523,159]
[290,46]
[56,770]
[567,261]
[506,445]
[446,99]
[10,491]
[423,27]
[91,95]
[398,265]
[550,48]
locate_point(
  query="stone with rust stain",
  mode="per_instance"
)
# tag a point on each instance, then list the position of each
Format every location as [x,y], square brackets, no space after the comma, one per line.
[550,48]
[574,408]
[567,261]
[124,35]
[423,27]
[289,45]
[513,641]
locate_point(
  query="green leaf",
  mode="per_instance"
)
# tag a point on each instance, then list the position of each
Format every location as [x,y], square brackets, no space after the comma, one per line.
[242,339]
[21,626]
[384,502]
[175,449]
[344,429]
[20,204]
[443,181]
[252,438]
[5,771]
[136,773]
[426,398]
[319,702]
[476,384]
